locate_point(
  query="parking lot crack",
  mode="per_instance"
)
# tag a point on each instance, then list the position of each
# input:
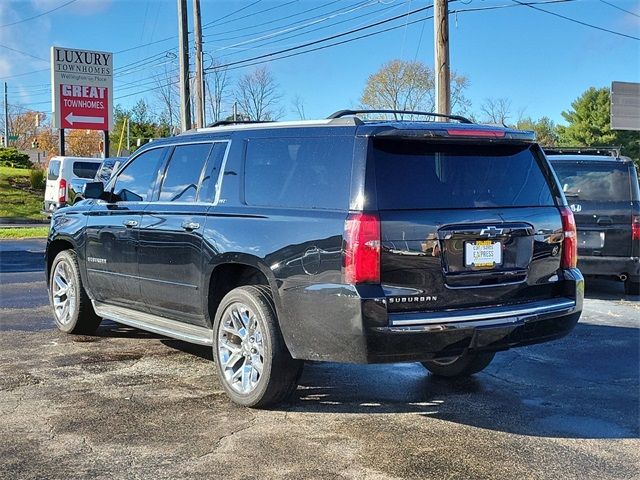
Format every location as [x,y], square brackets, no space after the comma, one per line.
[251,423]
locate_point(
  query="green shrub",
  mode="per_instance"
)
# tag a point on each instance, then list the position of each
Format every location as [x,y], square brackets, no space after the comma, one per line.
[37,179]
[11,157]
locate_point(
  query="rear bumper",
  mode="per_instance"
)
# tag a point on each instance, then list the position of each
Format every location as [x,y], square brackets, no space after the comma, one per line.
[610,266]
[49,207]
[357,327]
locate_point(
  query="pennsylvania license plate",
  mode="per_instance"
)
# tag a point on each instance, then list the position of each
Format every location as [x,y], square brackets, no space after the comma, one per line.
[482,254]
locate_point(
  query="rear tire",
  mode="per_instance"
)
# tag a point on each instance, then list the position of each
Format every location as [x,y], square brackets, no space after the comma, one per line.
[462,366]
[253,363]
[72,308]
[631,288]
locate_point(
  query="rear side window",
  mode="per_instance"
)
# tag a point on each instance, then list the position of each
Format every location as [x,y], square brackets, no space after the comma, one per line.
[183,173]
[594,182]
[85,169]
[135,181]
[311,172]
[54,170]
[420,175]
[210,184]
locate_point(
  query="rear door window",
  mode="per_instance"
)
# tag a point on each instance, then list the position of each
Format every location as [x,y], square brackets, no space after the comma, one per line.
[301,172]
[54,170]
[182,177]
[421,175]
[85,169]
[211,182]
[594,182]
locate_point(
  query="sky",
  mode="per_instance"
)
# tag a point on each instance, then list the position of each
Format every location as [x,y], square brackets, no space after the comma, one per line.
[540,62]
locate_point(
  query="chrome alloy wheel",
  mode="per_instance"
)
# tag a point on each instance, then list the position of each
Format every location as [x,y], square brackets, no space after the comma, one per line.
[240,348]
[63,293]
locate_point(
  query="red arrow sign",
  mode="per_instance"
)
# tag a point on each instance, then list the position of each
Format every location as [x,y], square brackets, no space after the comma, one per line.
[84,107]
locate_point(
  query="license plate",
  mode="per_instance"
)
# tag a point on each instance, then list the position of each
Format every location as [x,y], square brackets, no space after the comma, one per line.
[482,254]
[593,240]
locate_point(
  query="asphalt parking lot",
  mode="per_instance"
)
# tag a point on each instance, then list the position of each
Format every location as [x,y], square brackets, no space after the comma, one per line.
[127,404]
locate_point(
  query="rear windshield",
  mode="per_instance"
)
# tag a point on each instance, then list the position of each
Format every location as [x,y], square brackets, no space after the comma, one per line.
[594,182]
[85,169]
[54,170]
[420,175]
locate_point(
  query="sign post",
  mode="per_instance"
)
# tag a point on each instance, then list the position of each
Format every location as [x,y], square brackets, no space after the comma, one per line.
[82,91]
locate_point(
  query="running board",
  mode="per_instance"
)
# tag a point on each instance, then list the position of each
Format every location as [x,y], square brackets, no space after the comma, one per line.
[153,323]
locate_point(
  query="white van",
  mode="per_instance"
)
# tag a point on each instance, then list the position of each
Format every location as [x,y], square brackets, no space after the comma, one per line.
[62,170]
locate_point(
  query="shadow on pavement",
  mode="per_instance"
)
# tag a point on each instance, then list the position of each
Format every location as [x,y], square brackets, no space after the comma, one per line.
[603,289]
[585,386]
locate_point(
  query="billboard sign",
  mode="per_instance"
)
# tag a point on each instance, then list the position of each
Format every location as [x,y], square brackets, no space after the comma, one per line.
[625,106]
[81,89]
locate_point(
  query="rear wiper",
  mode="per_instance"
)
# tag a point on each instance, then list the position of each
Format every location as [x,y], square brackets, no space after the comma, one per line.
[571,195]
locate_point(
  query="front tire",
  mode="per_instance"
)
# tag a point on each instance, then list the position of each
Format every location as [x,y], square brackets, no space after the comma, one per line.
[72,307]
[461,366]
[251,358]
[631,288]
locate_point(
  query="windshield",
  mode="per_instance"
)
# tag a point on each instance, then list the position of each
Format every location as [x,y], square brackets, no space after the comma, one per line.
[421,175]
[594,182]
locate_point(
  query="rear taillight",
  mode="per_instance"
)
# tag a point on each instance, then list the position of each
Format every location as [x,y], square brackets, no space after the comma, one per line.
[362,248]
[635,227]
[62,191]
[570,242]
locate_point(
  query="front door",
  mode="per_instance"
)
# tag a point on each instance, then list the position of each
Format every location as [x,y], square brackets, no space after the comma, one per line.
[113,229]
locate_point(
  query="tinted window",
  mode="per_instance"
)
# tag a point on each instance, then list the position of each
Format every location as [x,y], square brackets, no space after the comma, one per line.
[599,182]
[299,172]
[135,181]
[420,175]
[85,169]
[183,173]
[106,170]
[208,189]
[54,170]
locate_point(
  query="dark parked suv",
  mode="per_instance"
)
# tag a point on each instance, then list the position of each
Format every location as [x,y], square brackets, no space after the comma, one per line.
[602,190]
[334,240]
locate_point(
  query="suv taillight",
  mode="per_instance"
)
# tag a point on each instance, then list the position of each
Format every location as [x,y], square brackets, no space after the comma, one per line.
[570,242]
[635,227]
[362,248]
[62,191]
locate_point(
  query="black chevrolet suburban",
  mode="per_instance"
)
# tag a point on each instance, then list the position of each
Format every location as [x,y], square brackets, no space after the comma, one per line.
[343,239]
[602,190]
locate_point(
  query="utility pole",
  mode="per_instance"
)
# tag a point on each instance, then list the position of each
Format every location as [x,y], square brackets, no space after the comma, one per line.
[441,45]
[235,111]
[183,46]
[197,38]
[6,117]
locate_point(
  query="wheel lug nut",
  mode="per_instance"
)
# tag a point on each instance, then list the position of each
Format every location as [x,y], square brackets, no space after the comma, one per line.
[253,350]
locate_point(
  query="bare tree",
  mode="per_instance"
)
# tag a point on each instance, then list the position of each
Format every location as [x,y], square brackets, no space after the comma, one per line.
[258,95]
[496,110]
[460,104]
[168,96]
[298,107]
[217,86]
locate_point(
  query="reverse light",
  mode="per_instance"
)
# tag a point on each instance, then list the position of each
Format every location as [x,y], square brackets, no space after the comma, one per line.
[361,262]
[635,227]
[570,243]
[62,192]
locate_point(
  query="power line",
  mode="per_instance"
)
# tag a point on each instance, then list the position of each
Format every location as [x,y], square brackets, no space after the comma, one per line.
[231,14]
[23,53]
[580,22]
[620,8]
[39,15]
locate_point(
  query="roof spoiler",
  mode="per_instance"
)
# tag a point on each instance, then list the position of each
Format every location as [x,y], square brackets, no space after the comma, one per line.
[344,113]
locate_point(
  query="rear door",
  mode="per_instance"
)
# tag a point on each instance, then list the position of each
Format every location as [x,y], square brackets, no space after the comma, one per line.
[599,193]
[170,257]
[53,176]
[465,224]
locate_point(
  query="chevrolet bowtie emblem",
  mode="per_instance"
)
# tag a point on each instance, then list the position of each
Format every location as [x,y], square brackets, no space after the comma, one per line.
[491,232]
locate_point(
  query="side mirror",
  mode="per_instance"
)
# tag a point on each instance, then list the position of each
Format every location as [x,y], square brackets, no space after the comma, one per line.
[93,190]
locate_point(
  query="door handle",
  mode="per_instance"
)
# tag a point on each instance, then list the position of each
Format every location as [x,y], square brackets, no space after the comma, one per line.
[130,223]
[605,221]
[189,226]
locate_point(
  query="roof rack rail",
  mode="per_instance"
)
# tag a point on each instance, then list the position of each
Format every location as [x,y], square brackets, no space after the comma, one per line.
[612,151]
[222,123]
[344,113]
